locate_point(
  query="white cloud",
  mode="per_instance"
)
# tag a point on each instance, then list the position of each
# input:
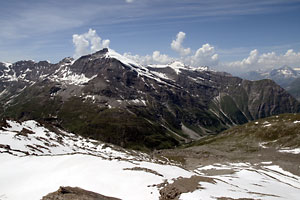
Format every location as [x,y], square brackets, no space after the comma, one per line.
[129,1]
[155,58]
[161,58]
[87,43]
[256,61]
[144,60]
[204,56]
[81,45]
[176,45]
[105,43]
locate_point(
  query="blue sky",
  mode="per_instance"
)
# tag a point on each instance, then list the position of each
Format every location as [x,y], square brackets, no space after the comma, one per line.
[43,30]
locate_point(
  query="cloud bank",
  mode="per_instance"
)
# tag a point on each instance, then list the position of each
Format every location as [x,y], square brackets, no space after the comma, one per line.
[87,43]
[206,55]
[256,61]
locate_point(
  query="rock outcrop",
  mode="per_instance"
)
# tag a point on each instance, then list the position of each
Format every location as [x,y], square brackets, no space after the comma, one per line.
[75,193]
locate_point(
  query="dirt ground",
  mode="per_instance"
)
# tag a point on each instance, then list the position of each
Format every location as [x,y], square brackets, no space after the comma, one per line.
[193,157]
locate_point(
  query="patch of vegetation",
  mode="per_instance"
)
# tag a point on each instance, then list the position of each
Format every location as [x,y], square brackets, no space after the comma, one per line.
[117,126]
[229,106]
[277,131]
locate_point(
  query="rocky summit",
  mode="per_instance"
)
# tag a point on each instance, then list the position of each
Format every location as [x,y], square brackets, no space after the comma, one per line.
[107,97]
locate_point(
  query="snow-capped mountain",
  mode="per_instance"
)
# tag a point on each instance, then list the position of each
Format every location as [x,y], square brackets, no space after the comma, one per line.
[285,71]
[61,122]
[111,98]
[282,76]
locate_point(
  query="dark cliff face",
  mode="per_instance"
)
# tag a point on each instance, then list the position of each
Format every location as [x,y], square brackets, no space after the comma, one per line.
[294,88]
[108,97]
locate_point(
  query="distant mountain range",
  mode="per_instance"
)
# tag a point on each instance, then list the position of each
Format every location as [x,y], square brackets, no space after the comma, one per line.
[285,76]
[108,97]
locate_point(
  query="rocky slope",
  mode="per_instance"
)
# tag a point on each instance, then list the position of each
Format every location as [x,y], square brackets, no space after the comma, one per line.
[107,97]
[285,76]
[294,88]
[275,138]
[252,149]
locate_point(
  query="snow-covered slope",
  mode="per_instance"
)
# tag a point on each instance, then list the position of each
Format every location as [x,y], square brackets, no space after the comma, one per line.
[244,180]
[36,161]
[31,138]
[30,153]
[145,71]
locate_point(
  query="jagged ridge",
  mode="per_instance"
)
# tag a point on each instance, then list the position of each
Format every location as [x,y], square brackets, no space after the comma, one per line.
[111,98]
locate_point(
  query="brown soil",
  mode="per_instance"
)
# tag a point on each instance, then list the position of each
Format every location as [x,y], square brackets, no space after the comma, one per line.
[193,157]
[144,169]
[182,185]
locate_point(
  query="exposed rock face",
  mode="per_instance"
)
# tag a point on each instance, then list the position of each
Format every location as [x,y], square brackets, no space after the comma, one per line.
[108,97]
[294,88]
[285,76]
[71,193]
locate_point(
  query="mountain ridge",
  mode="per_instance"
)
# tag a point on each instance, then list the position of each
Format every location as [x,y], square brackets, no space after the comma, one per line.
[111,98]
[284,76]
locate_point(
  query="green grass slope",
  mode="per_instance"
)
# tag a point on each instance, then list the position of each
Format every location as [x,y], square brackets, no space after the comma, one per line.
[279,132]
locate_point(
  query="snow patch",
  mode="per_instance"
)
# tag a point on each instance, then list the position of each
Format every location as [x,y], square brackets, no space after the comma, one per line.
[6,64]
[141,70]
[267,125]
[30,138]
[112,54]
[266,182]
[293,151]
[65,75]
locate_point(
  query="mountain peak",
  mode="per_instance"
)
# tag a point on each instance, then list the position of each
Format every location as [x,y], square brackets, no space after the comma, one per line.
[67,60]
[6,64]
[113,54]
[284,71]
[177,64]
[101,52]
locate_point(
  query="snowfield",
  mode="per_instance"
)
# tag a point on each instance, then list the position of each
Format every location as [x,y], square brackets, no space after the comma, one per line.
[36,161]
[32,177]
[260,181]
